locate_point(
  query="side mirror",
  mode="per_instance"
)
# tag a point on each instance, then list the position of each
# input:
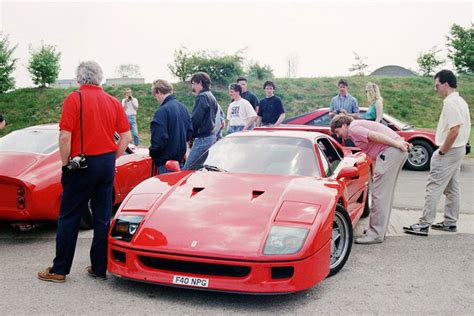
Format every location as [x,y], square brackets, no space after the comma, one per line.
[173,165]
[348,172]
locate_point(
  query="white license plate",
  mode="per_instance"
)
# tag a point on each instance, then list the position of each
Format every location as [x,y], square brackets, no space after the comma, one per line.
[189,281]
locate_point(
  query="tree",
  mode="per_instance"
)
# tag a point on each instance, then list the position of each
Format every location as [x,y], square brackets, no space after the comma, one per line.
[128,70]
[182,66]
[292,62]
[427,62]
[359,66]
[7,64]
[221,68]
[256,71]
[461,48]
[44,65]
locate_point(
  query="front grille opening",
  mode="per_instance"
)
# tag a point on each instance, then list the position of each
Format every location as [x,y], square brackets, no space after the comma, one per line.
[119,256]
[195,267]
[282,272]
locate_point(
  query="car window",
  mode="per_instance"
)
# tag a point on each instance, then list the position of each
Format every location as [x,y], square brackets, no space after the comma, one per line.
[330,154]
[262,155]
[322,120]
[39,141]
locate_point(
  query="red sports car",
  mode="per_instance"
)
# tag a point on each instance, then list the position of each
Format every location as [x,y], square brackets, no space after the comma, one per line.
[423,139]
[30,175]
[268,211]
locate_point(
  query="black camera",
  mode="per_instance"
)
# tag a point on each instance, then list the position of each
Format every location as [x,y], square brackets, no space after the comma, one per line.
[75,163]
[130,98]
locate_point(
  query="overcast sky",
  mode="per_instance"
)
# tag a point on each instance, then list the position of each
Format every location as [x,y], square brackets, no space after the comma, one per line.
[320,35]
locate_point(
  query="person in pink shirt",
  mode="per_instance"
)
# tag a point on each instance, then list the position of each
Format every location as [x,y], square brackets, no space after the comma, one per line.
[389,151]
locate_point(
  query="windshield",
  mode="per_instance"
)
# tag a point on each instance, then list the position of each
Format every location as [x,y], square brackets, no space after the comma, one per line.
[261,155]
[39,141]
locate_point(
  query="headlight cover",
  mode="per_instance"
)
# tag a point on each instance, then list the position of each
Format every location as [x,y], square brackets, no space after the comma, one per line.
[284,240]
[126,226]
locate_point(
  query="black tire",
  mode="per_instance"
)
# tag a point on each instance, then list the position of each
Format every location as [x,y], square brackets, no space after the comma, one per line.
[86,218]
[341,241]
[419,157]
[368,200]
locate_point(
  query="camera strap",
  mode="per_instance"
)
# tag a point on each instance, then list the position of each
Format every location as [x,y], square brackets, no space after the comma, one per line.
[80,120]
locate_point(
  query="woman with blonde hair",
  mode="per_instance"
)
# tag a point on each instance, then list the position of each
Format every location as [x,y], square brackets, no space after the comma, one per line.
[375,111]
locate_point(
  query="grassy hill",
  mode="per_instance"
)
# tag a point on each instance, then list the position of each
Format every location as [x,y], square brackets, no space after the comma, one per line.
[411,99]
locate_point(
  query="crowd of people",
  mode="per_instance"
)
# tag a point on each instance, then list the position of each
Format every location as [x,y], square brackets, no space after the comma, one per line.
[174,131]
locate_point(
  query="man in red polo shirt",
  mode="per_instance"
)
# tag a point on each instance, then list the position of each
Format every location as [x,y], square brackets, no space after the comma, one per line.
[89,119]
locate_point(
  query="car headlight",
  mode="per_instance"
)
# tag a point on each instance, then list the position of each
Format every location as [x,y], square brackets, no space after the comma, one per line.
[126,226]
[284,240]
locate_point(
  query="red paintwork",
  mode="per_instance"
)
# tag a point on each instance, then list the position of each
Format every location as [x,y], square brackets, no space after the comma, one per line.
[409,134]
[227,223]
[40,175]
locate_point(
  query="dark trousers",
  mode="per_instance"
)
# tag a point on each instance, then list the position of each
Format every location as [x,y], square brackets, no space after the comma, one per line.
[95,183]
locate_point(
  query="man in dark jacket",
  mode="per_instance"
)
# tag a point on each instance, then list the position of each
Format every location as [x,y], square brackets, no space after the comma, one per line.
[170,128]
[203,118]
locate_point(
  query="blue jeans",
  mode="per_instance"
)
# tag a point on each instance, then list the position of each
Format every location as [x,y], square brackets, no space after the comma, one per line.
[200,146]
[132,120]
[234,128]
[95,183]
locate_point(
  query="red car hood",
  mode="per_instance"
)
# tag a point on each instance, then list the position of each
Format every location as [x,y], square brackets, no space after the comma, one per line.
[222,214]
[15,164]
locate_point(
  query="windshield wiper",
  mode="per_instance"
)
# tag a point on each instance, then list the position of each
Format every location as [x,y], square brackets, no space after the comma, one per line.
[213,168]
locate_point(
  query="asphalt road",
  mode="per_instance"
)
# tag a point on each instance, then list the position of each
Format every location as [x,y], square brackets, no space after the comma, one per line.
[404,275]
[409,193]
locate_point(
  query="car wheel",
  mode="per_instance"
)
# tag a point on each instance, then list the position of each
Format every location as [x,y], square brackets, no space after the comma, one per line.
[86,218]
[419,156]
[341,241]
[368,199]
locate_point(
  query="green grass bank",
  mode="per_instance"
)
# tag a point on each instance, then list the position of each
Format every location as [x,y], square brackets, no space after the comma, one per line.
[411,99]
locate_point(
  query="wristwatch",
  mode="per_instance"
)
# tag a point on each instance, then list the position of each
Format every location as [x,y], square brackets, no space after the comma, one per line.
[440,152]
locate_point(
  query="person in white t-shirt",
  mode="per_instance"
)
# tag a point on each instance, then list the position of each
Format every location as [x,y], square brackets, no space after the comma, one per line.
[452,134]
[130,105]
[240,114]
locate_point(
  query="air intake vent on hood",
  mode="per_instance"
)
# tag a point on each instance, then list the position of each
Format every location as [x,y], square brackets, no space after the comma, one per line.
[196,191]
[256,194]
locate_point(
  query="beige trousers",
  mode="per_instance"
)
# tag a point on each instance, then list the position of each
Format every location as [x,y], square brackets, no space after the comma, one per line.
[387,167]
[444,178]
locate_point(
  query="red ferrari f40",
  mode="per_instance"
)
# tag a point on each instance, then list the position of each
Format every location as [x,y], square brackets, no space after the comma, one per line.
[267,211]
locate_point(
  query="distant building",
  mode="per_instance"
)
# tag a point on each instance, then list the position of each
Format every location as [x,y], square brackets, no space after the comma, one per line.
[65,83]
[393,71]
[123,81]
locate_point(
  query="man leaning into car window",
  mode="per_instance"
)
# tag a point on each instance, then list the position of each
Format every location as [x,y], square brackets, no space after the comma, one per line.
[88,152]
[389,152]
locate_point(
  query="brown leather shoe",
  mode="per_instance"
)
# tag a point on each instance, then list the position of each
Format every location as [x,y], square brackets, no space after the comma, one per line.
[92,274]
[47,275]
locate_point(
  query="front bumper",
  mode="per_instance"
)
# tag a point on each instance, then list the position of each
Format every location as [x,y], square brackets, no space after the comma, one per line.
[260,279]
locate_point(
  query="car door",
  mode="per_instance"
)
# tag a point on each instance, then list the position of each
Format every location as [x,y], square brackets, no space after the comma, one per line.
[333,162]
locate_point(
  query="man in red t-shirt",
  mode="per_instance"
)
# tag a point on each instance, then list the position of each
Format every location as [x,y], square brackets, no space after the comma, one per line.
[89,119]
